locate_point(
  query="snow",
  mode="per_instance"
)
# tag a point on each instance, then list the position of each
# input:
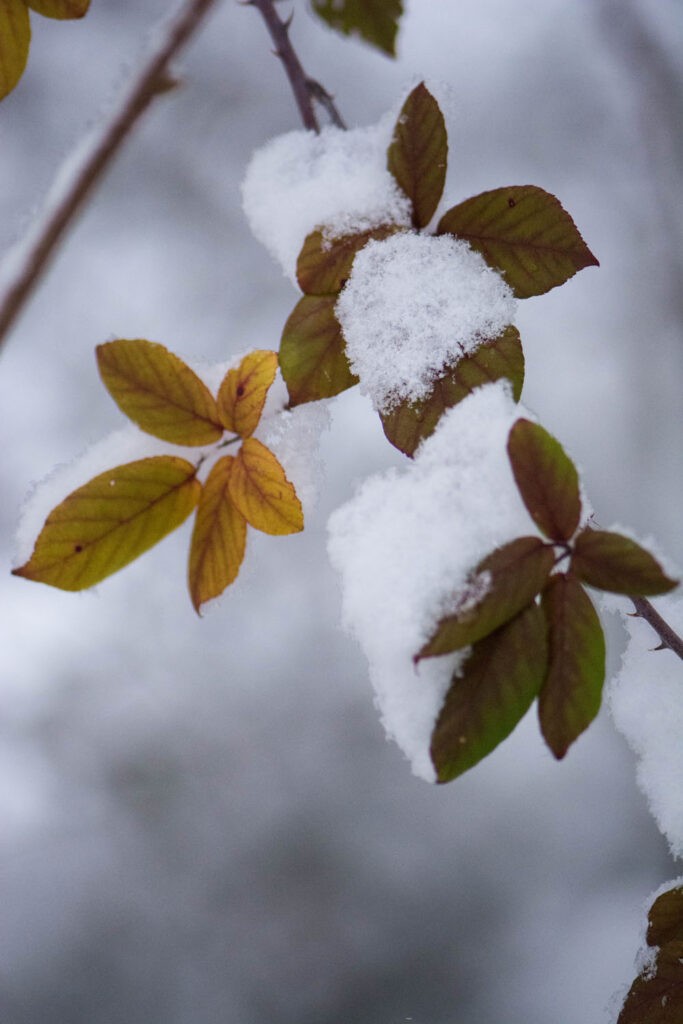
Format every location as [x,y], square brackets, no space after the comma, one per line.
[400,558]
[646,702]
[412,304]
[337,180]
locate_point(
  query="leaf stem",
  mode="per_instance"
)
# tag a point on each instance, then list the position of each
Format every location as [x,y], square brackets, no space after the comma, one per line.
[78,178]
[669,637]
[306,90]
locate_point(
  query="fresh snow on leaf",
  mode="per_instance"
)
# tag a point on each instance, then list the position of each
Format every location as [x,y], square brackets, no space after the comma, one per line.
[337,180]
[646,702]
[400,557]
[413,304]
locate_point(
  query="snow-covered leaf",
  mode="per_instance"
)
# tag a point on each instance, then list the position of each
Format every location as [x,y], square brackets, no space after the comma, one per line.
[112,519]
[418,154]
[502,584]
[159,392]
[610,561]
[547,479]
[324,263]
[665,918]
[312,352]
[496,688]
[570,696]
[524,233]
[375,21]
[243,392]
[218,539]
[262,493]
[656,996]
[15,39]
[409,423]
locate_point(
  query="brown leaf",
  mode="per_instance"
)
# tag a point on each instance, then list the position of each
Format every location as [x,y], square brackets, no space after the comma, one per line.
[324,264]
[312,352]
[418,153]
[546,478]
[609,561]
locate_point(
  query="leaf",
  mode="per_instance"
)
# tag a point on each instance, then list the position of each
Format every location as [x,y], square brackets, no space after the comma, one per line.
[609,561]
[159,392]
[375,21]
[261,491]
[418,154]
[312,352]
[219,537]
[524,233]
[656,996]
[111,520]
[665,918]
[546,478]
[243,392]
[570,696]
[498,684]
[61,9]
[324,264]
[15,39]
[502,584]
[409,423]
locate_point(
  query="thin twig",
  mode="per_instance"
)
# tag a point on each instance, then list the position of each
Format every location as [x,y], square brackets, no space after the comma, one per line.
[75,183]
[670,639]
[306,90]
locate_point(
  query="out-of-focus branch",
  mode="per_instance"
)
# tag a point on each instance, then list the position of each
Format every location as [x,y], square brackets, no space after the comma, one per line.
[668,636]
[306,90]
[82,172]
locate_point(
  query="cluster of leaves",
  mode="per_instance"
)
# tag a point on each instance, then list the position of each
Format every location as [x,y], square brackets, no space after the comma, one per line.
[656,996]
[525,613]
[521,231]
[15,32]
[118,515]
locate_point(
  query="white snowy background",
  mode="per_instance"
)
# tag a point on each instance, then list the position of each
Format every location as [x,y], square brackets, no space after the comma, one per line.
[202,820]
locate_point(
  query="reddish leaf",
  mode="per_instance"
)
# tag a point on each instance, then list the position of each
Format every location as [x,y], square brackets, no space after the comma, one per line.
[324,264]
[375,21]
[159,392]
[502,584]
[218,539]
[409,423]
[111,520]
[571,694]
[261,491]
[497,686]
[312,352]
[609,561]
[665,918]
[243,392]
[524,233]
[656,996]
[418,153]
[546,478]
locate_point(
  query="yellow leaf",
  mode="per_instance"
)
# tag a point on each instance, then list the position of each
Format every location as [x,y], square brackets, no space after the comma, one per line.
[242,394]
[15,37]
[111,520]
[218,539]
[159,392]
[61,9]
[262,492]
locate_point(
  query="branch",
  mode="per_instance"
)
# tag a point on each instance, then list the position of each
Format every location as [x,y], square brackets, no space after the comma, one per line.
[670,639]
[79,176]
[305,89]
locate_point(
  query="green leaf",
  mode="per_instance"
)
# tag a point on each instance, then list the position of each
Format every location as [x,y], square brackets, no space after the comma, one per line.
[15,39]
[665,918]
[61,9]
[324,264]
[218,539]
[656,996]
[502,584]
[524,233]
[611,562]
[312,352]
[546,478]
[159,392]
[570,696]
[111,520]
[498,684]
[409,423]
[418,153]
[375,21]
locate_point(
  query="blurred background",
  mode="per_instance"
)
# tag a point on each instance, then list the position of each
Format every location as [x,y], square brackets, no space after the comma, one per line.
[201,819]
